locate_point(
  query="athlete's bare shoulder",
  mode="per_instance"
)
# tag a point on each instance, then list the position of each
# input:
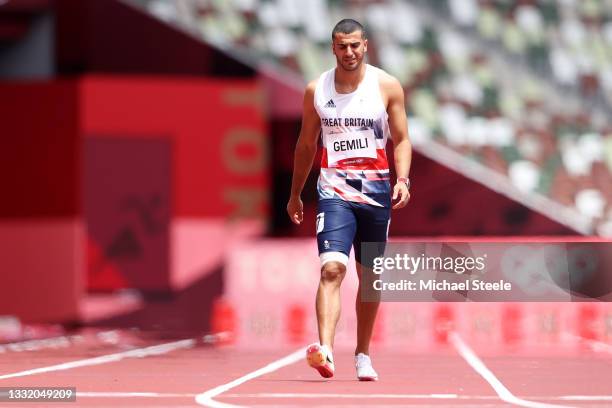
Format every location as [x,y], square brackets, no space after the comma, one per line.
[390,87]
[309,97]
[388,82]
[311,86]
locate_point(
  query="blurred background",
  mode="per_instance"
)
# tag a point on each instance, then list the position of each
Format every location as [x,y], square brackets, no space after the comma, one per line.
[147,148]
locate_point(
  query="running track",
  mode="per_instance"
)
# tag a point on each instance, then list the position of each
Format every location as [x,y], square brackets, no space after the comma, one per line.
[133,369]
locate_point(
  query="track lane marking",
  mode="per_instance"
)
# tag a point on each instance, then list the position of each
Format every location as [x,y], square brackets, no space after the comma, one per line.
[206,398]
[344,396]
[415,396]
[141,394]
[586,397]
[110,337]
[476,363]
[109,358]
[265,395]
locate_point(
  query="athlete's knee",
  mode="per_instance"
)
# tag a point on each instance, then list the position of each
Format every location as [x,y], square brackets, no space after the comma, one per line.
[333,271]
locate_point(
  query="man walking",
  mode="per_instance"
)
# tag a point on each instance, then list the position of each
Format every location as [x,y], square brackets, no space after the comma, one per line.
[355,107]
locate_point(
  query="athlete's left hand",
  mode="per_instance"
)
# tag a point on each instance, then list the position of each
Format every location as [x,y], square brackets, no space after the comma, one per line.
[400,193]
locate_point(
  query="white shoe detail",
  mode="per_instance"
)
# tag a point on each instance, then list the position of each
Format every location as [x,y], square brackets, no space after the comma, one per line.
[365,371]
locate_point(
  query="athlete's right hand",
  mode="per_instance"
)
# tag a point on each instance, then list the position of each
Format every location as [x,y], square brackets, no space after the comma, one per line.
[295,209]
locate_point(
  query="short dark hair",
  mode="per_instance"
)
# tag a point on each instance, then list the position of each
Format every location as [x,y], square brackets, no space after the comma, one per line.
[348,26]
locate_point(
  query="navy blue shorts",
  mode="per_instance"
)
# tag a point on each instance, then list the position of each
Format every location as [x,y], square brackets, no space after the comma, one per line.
[342,224]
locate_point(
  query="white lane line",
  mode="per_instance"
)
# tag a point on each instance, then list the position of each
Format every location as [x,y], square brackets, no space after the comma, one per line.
[206,398]
[345,396]
[54,343]
[94,394]
[476,363]
[109,358]
[324,396]
[586,397]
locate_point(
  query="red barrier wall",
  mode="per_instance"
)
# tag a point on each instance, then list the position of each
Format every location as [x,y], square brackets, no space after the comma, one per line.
[216,154]
[41,261]
[41,265]
[40,152]
[193,150]
[217,130]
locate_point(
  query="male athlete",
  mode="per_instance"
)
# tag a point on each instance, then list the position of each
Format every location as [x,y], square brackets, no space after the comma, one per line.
[354,107]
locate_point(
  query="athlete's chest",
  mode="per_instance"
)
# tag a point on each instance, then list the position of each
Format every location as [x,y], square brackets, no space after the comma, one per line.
[355,110]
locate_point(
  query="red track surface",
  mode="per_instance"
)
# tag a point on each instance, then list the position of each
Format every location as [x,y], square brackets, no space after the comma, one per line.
[572,373]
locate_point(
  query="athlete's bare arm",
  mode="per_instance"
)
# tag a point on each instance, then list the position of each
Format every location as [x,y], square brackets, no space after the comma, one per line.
[393,93]
[305,151]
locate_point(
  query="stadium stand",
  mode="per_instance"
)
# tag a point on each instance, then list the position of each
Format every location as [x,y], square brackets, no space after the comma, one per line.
[567,40]
[469,104]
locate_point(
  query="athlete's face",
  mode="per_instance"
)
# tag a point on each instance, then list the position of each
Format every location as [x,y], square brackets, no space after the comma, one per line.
[349,49]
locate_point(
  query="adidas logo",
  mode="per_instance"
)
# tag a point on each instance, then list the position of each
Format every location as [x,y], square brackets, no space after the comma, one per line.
[330,104]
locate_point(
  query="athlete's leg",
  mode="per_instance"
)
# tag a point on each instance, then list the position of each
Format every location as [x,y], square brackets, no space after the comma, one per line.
[335,232]
[372,227]
[328,301]
[366,311]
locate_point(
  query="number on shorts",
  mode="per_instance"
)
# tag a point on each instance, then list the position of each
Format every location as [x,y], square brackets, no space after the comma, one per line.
[320,222]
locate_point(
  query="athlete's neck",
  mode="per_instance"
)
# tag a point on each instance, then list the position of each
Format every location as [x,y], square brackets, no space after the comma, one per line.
[348,81]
